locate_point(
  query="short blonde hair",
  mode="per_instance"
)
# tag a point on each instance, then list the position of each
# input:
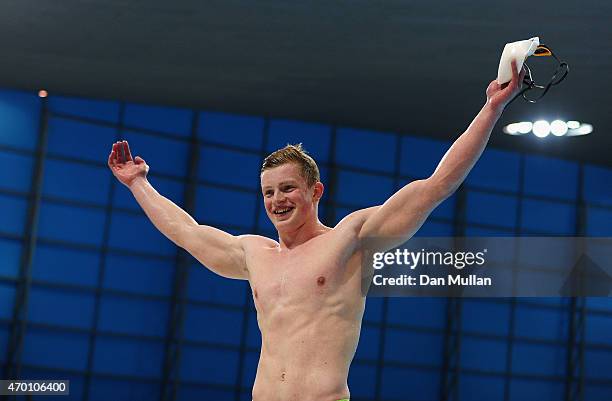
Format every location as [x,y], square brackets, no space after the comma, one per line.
[294,154]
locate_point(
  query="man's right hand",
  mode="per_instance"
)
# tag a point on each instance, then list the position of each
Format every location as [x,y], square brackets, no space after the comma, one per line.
[219,251]
[123,166]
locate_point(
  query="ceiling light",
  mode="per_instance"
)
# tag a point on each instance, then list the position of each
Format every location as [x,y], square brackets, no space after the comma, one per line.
[558,128]
[584,129]
[573,124]
[541,128]
[525,127]
[511,129]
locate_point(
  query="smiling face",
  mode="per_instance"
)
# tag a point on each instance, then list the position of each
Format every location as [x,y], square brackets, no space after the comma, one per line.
[289,201]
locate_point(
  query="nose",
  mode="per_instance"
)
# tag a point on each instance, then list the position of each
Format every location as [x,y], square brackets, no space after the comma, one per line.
[279,196]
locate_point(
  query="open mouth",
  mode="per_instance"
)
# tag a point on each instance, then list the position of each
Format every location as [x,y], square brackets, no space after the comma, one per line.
[282,212]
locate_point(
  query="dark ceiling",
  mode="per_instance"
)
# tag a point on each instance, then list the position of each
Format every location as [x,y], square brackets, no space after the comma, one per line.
[406,66]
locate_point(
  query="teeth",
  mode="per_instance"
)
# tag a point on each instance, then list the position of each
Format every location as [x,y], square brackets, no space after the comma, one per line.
[282,211]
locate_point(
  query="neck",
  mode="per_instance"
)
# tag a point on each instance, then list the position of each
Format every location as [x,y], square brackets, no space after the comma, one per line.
[291,238]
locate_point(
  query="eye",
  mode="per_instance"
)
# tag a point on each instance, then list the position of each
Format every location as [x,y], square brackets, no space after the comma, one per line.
[288,188]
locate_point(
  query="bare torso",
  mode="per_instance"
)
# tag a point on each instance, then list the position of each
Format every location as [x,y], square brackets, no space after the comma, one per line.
[309,309]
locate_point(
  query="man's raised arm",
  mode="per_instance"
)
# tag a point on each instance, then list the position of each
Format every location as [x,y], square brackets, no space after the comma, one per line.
[404,212]
[219,251]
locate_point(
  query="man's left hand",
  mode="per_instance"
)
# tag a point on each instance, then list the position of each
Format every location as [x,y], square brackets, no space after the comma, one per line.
[498,96]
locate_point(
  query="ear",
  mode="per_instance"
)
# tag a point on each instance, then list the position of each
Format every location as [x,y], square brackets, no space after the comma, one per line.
[317,193]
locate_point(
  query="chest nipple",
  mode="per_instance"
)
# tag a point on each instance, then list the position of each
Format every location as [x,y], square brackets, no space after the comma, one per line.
[321,281]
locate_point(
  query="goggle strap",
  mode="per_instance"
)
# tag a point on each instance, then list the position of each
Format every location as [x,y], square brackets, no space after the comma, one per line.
[559,75]
[543,51]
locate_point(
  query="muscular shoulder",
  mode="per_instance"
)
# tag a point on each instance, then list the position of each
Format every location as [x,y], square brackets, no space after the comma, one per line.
[251,241]
[346,232]
[354,221]
[253,246]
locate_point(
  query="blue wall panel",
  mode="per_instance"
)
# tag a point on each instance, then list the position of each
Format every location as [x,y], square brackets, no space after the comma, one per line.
[208,365]
[497,313]
[496,169]
[64,265]
[406,346]
[221,206]
[212,325]
[599,222]
[14,211]
[126,356]
[599,304]
[409,311]
[137,233]
[11,257]
[19,119]
[230,129]
[229,167]
[103,389]
[133,316]
[596,392]
[497,210]
[539,323]
[548,217]
[55,349]
[16,171]
[410,384]
[102,110]
[373,310]
[77,182]
[524,389]
[205,285]
[471,231]
[7,300]
[61,308]
[363,190]
[315,138]
[483,354]
[253,333]
[249,369]
[189,393]
[475,387]
[366,149]
[368,343]
[161,119]
[139,275]
[596,186]
[538,359]
[420,156]
[362,381]
[597,364]
[78,225]
[545,176]
[599,328]
[80,140]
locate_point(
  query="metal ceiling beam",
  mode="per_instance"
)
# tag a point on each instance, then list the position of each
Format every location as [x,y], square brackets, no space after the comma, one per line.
[176,317]
[12,368]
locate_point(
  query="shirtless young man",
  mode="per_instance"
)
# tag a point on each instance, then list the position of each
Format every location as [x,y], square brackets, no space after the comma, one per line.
[307,286]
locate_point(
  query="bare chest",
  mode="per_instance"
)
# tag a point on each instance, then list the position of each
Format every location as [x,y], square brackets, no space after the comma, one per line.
[306,277]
